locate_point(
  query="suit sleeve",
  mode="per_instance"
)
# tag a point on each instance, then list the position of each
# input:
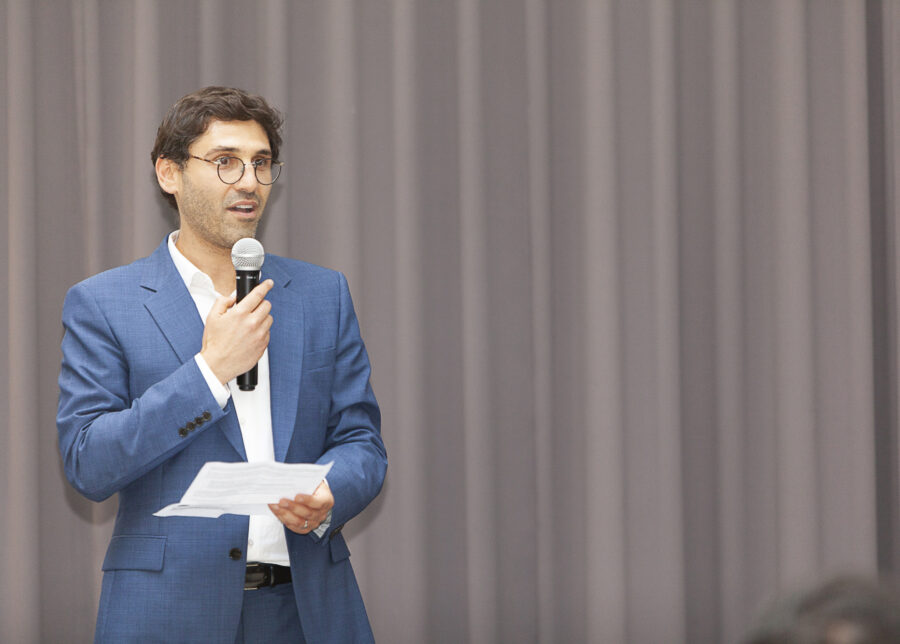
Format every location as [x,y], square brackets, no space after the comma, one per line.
[107,439]
[354,440]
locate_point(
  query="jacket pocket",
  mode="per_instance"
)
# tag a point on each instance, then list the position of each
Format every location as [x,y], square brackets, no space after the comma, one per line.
[313,360]
[135,552]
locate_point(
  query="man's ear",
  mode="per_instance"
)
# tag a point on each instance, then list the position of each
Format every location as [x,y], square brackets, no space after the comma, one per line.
[168,174]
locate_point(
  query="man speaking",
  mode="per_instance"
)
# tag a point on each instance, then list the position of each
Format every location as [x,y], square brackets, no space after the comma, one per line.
[148,394]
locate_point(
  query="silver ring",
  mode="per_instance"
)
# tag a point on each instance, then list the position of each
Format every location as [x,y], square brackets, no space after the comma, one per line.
[305,524]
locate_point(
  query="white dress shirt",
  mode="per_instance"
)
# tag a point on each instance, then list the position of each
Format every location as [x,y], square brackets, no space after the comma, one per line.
[266,541]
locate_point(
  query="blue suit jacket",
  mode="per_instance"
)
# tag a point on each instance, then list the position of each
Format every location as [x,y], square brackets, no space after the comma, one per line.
[136,417]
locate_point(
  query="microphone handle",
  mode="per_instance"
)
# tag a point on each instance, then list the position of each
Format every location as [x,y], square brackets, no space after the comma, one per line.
[246,282]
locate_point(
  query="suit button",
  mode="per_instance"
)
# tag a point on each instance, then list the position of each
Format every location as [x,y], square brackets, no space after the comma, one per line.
[189,425]
[235,553]
[182,431]
[199,420]
[206,415]
[336,531]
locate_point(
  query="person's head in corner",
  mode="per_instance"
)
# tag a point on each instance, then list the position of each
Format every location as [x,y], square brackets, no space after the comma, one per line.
[844,610]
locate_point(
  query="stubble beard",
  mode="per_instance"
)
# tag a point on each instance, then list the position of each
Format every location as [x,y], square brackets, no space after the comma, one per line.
[211,222]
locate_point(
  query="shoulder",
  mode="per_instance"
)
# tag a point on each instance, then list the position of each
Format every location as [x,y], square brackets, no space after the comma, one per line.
[299,268]
[311,278]
[114,289]
[127,274]
[113,279]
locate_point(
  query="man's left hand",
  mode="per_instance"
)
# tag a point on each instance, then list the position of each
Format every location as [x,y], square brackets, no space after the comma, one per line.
[305,512]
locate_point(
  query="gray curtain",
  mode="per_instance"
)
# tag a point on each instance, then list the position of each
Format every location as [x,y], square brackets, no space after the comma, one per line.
[626,269]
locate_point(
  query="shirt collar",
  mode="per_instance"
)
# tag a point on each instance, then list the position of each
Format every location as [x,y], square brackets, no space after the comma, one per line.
[193,277]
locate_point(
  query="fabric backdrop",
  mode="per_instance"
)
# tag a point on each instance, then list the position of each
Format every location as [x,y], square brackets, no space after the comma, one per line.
[627,272]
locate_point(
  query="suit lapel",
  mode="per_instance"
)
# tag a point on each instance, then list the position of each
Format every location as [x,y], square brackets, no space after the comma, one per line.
[172,308]
[285,355]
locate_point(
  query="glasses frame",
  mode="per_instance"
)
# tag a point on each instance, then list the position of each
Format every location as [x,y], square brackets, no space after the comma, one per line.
[279,164]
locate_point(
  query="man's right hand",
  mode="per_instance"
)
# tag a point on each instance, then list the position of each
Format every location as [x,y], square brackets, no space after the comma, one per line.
[236,335]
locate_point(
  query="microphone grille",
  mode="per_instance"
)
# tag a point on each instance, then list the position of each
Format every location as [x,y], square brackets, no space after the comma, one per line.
[247,254]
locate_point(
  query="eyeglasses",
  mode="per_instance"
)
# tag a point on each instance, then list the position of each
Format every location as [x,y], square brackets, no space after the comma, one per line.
[231,169]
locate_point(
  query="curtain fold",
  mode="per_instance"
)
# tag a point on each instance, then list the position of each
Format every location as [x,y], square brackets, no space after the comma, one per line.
[22,453]
[883,28]
[721,467]
[626,272]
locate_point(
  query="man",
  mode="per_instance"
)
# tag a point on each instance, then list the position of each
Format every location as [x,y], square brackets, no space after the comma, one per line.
[148,395]
[842,610]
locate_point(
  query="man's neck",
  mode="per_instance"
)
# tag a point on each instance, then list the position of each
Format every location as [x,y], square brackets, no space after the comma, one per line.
[211,259]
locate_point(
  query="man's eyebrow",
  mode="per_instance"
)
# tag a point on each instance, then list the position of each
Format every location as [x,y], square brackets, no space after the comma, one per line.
[226,148]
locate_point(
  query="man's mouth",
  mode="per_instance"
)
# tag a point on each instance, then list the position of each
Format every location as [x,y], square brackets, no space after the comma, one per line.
[244,208]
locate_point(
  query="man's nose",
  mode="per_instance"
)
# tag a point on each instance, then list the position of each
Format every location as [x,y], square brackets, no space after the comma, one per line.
[248,181]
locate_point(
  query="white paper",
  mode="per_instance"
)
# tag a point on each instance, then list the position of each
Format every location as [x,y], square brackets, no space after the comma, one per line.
[245,488]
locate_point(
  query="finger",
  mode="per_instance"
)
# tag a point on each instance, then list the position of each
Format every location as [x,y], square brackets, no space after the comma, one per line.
[261,312]
[221,304]
[311,502]
[303,512]
[300,510]
[304,499]
[295,522]
[284,515]
[257,295]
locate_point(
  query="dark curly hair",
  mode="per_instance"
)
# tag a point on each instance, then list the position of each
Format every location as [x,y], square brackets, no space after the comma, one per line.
[188,119]
[843,610]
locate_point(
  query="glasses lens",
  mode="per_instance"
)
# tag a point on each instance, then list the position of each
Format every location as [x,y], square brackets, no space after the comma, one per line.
[231,169]
[266,171]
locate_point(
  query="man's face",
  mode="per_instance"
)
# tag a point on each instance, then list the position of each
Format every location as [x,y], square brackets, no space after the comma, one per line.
[215,212]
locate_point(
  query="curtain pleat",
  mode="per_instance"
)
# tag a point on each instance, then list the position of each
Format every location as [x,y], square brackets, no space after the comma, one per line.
[603,616]
[726,591]
[794,424]
[22,453]
[884,25]
[479,444]
[539,199]
[408,463]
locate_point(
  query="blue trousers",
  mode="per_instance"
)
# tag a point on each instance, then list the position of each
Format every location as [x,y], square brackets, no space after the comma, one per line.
[270,615]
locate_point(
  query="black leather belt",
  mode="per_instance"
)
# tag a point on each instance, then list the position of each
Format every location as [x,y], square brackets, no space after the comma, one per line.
[262,575]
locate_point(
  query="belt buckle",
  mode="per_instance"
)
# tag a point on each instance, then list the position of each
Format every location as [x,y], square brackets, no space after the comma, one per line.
[257,576]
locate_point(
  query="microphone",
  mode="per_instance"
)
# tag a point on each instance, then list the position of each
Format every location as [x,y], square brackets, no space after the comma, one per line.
[247,255]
